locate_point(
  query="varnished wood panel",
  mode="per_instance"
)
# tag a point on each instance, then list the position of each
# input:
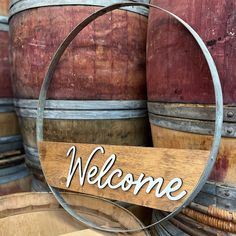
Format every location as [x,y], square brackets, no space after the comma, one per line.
[4,5]
[9,124]
[224,169]
[165,163]
[176,69]
[119,132]
[5,76]
[106,61]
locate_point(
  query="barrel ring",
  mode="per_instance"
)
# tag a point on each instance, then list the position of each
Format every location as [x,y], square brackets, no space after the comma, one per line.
[191,111]
[4,23]
[10,143]
[192,126]
[218,120]
[17,6]
[81,110]
[217,194]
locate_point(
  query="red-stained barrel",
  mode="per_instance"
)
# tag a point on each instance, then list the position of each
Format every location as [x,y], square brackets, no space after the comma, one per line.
[98,93]
[181,100]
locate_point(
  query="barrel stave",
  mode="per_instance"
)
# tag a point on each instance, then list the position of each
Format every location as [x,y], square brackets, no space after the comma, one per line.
[106,61]
[184,76]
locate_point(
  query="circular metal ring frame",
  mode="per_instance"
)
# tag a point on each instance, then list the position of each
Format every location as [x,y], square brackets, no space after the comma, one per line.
[218,114]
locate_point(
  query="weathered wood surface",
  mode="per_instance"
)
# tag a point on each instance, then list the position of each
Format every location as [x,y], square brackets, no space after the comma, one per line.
[39,213]
[4,5]
[11,159]
[224,169]
[176,69]
[135,132]
[106,61]
[17,186]
[5,76]
[9,124]
[166,163]
[144,214]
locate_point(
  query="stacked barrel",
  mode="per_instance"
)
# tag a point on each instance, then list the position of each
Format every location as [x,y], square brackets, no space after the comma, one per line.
[14,176]
[98,93]
[181,104]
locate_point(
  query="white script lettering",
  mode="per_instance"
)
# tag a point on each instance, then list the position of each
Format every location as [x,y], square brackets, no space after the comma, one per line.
[95,176]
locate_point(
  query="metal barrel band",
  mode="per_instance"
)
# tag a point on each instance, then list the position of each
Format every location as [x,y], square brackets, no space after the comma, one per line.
[83,105]
[191,111]
[4,23]
[17,6]
[191,126]
[218,120]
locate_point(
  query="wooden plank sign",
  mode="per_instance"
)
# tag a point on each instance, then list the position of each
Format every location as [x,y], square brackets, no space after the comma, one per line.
[153,177]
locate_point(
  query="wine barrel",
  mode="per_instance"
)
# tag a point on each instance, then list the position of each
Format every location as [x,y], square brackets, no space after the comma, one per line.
[85,122]
[39,186]
[14,175]
[10,138]
[40,214]
[4,5]
[181,97]
[98,94]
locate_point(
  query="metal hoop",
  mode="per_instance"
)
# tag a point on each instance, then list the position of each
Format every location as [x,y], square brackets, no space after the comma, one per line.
[218,121]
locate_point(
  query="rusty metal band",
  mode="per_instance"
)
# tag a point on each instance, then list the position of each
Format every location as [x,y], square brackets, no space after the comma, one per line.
[218,119]
[191,111]
[17,6]
[4,23]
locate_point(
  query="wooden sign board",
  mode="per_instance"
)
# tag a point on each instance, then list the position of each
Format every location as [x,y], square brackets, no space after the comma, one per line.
[153,177]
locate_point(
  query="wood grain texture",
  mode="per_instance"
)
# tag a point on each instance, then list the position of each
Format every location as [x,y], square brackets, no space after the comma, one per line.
[134,132]
[5,76]
[166,163]
[144,214]
[16,186]
[9,124]
[224,169]
[176,69]
[39,213]
[4,5]
[87,232]
[11,160]
[106,61]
